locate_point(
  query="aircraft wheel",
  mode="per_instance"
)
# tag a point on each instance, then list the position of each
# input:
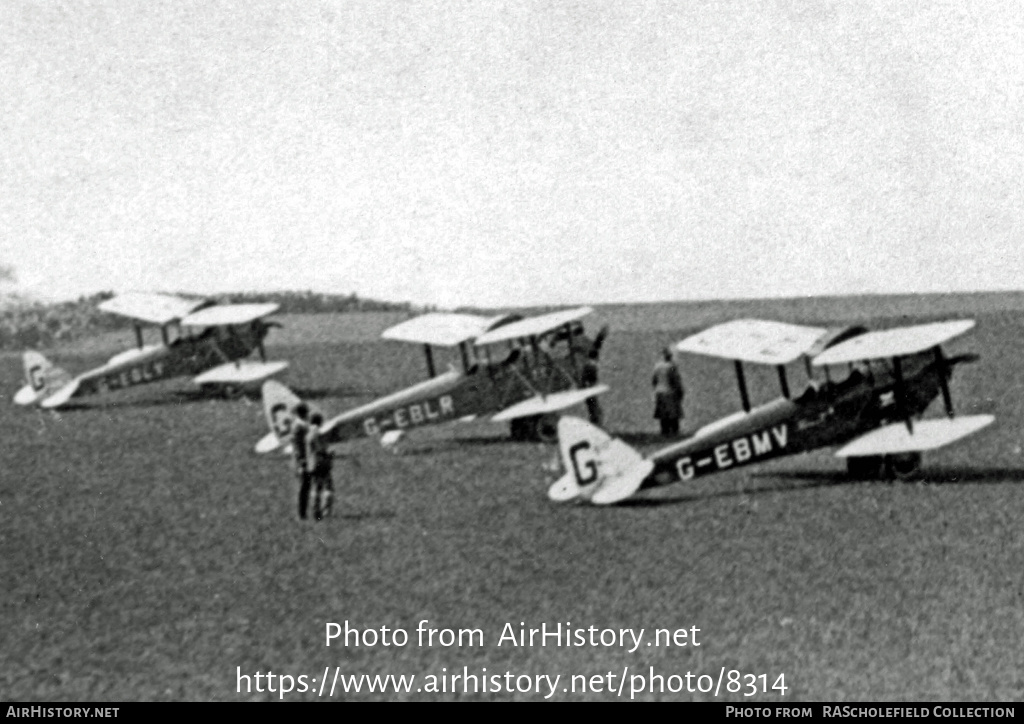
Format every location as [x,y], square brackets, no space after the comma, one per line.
[865,468]
[903,467]
[542,428]
[232,392]
[519,429]
[546,429]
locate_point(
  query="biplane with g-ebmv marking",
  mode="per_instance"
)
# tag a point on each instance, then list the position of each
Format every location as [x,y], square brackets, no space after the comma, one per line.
[198,337]
[518,370]
[875,386]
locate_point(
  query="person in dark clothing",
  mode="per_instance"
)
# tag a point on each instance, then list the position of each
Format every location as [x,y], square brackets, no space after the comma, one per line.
[300,454]
[588,378]
[589,374]
[320,466]
[668,394]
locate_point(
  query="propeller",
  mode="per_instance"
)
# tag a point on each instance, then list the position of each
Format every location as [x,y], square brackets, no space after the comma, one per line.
[945,365]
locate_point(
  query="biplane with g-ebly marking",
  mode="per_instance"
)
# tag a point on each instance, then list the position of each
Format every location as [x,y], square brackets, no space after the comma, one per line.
[518,370]
[876,385]
[198,337]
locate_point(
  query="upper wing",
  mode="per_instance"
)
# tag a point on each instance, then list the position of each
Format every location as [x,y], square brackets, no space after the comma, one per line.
[226,314]
[893,342]
[533,327]
[441,329]
[152,308]
[754,340]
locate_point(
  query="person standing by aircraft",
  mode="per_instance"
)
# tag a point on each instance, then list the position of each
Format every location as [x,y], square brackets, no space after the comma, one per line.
[319,465]
[589,376]
[300,454]
[668,394]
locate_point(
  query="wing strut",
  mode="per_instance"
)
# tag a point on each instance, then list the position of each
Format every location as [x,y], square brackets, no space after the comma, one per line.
[783,382]
[742,381]
[901,408]
[431,370]
[138,335]
[940,362]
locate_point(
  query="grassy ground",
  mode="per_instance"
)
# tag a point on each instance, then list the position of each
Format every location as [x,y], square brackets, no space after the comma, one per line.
[146,553]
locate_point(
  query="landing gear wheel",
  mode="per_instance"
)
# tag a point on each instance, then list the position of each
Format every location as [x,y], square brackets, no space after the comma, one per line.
[519,429]
[865,468]
[536,428]
[546,429]
[905,466]
[232,392]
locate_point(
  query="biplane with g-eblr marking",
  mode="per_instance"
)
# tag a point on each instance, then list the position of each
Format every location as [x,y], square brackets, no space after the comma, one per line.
[875,386]
[198,337]
[518,370]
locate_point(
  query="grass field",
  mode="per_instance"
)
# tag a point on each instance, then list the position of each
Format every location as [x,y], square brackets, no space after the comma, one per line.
[145,552]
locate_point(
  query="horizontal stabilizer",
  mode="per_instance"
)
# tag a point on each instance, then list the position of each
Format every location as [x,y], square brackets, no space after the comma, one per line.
[533,327]
[61,396]
[895,438]
[893,342]
[754,340]
[542,405]
[617,488]
[240,373]
[227,314]
[27,396]
[268,443]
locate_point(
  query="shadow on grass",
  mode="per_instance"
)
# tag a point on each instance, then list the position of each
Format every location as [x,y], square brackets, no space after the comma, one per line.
[169,398]
[429,448]
[364,515]
[945,475]
[319,393]
[810,479]
[188,397]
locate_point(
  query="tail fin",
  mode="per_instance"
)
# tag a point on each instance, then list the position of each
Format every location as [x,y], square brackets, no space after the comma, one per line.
[278,405]
[598,467]
[42,378]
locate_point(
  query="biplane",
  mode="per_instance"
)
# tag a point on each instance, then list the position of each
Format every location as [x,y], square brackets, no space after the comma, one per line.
[522,371]
[198,337]
[876,386]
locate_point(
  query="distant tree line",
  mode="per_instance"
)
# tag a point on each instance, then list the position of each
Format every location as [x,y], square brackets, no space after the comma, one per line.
[30,324]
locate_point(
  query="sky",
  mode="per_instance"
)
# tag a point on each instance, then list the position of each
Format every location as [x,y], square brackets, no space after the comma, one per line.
[491,153]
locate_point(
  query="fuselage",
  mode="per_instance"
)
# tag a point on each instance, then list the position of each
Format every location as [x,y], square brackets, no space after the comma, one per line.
[484,388]
[186,356]
[826,414]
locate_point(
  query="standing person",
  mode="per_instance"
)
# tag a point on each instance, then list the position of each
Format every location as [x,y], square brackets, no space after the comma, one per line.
[300,454]
[668,394]
[588,378]
[319,465]
[590,371]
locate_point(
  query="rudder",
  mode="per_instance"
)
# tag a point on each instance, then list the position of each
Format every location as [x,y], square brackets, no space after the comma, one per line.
[279,407]
[42,379]
[598,467]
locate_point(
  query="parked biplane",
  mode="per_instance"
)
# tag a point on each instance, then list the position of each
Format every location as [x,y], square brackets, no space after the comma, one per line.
[876,385]
[538,374]
[198,337]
